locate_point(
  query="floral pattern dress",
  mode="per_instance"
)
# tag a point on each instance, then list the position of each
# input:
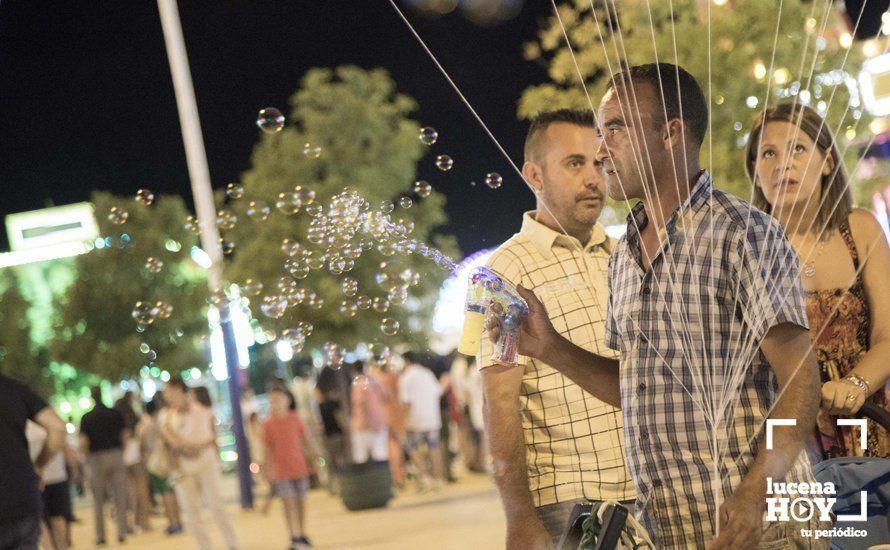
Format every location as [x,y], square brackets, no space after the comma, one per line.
[840,324]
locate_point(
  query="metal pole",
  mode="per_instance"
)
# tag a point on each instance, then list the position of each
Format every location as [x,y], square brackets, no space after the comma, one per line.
[199,175]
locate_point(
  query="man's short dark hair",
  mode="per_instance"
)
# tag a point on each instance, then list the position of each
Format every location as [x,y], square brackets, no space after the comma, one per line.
[544,119]
[96,394]
[675,89]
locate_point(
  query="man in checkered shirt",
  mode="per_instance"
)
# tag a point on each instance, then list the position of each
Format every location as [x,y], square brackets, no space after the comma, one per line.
[707,312]
[553,444]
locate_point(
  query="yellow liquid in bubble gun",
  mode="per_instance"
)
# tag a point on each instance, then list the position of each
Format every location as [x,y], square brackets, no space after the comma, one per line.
[489,295]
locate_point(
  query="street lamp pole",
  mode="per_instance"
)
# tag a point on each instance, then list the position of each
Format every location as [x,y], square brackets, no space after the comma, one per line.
[199,175]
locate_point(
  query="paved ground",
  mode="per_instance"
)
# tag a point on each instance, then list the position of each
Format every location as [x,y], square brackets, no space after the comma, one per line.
[466,514]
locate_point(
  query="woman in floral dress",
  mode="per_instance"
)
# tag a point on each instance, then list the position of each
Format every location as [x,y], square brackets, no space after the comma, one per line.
[799,178]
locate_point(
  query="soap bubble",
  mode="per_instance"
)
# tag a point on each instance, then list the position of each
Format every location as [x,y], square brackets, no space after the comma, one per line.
[386,207]
[258,211]
[314,210]
[381,305]
[270,120]
[306,196]
[251,288]
[333,355]
[144,348]
[291,249]
[226,219]
[363,302]
[298,269]
[311,151]
[428,135]
[305,328]
[398,296]
[348,308]
[294,339]
[423,189]
[389,326]
[164,310]
[493,180]
[117,215]
[144,196]
[349,286]
[444,162]
[227,246]
[314,259]
[285,283]
[234,191]
[274,306]
[288,203]
[218,297]
[379,353]
[154,265]
[144,313]
[191,225]
[406,202]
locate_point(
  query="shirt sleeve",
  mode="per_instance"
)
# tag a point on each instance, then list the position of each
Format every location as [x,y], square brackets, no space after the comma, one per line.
[611,331]
[33,402]
[768,280]
[507,265]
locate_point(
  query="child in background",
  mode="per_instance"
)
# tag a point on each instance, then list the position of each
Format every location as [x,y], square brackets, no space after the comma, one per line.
[286,440]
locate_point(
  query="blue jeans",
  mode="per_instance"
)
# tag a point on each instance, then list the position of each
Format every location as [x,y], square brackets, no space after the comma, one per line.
[21,534]
[555,517]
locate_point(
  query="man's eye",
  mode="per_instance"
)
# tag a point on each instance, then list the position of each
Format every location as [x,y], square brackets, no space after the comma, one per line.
[613,130]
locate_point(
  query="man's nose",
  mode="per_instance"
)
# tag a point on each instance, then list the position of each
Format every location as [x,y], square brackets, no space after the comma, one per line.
[602,154]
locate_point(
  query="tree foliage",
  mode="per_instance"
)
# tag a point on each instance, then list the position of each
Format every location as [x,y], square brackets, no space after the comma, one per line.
[95,330]
[742,36]
[369,144]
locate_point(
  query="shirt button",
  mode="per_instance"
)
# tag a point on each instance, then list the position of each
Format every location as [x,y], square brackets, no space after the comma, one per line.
[644,433]
[646,291]
[656,483]
[641,387]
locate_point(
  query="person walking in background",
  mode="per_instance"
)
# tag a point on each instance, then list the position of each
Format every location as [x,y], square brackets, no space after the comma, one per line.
[287,446]
[55,494]
[396,421]
[157,463]
[369,419]
[419,393]
[138,498]
[189,430]
[102,434]
[327,393]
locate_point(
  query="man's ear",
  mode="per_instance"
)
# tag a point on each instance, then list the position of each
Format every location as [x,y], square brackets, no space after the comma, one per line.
[673,134]
[531,171]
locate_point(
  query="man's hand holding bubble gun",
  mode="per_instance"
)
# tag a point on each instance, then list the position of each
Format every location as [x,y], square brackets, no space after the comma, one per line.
[504,310]
[518,324]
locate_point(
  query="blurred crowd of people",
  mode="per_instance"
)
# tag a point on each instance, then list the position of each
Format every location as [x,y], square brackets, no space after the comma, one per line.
[139,459]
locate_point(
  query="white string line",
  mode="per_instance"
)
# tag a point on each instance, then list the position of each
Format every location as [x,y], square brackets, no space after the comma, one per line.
[807,167]
[863,257]
[648,195]
[750,206]
[783,300]
[477,117]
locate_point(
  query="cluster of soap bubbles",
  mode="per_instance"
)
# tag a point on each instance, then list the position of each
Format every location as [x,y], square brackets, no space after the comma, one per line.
[145,313]
[339,234]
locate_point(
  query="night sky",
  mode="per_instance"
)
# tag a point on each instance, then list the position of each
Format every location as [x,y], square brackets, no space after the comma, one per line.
[86,98]
[87,102]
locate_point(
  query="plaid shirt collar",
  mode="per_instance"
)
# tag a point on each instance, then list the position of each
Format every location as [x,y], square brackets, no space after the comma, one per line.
[697,198]
[545,238]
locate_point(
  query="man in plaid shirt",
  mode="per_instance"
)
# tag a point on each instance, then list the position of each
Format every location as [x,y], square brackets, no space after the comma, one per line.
[707,312]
